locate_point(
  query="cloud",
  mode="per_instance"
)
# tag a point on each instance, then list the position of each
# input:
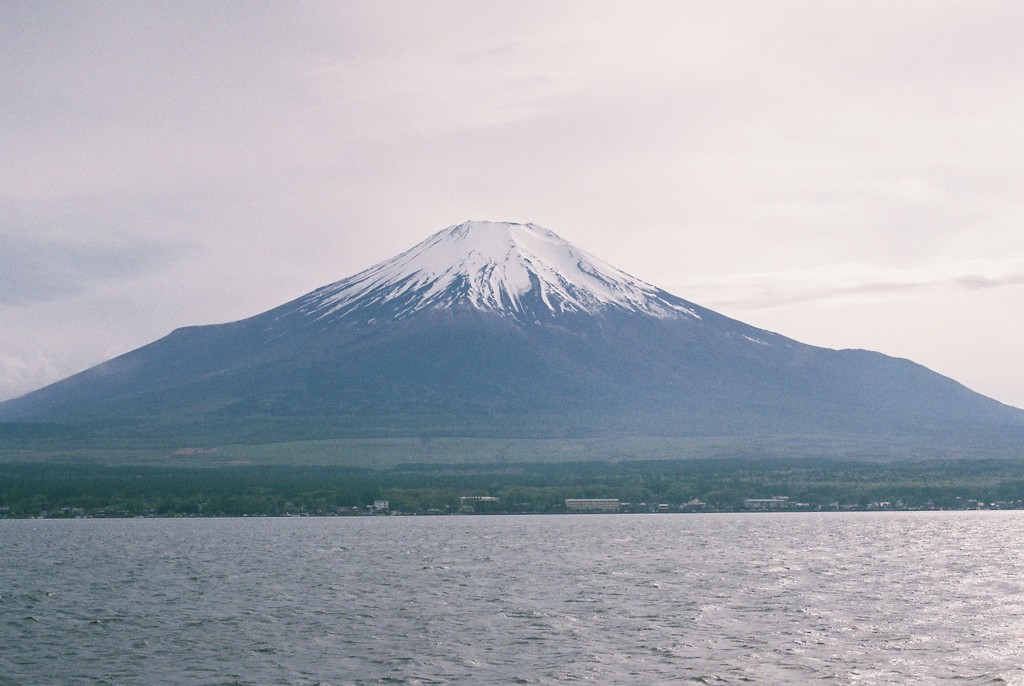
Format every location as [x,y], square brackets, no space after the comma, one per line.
[230,156]
[36,269]
[22,374]
[848,283]
[455,89]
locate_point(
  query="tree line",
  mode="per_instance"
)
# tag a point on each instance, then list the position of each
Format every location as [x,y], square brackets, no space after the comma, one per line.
[72,489]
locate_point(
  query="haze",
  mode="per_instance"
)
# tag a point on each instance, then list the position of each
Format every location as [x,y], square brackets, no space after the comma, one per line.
[847,174]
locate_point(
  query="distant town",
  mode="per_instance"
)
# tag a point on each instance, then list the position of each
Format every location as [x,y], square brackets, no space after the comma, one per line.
[697,486]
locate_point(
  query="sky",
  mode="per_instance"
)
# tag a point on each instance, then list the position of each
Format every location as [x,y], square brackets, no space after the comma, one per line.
[847,174]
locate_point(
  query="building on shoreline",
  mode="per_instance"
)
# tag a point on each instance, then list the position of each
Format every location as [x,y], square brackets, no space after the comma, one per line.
[592,504]
[478,504]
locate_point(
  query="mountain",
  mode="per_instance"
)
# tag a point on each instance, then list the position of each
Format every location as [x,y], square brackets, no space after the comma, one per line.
[502,329]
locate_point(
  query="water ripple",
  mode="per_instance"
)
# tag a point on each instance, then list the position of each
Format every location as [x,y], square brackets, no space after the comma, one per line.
[889,598]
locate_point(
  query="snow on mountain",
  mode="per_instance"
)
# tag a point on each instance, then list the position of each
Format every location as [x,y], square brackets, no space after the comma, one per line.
[550,356]
[521,270]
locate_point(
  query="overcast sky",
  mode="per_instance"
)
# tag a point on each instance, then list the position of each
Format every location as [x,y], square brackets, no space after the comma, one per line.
[848,174]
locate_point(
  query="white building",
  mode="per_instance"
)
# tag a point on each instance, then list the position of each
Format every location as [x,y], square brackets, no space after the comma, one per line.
[592,504]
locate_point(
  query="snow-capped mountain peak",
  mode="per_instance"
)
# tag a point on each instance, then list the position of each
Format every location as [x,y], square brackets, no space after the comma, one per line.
[520,270]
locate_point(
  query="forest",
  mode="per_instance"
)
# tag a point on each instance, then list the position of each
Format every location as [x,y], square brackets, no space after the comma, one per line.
[691,485]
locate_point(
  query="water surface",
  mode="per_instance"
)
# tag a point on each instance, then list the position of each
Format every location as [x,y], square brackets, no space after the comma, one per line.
[887,598]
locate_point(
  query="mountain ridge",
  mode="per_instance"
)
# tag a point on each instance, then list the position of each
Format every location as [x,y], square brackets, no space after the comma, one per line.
[500,328]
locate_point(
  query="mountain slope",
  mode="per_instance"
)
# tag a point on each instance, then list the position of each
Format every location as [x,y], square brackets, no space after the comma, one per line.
[506,329]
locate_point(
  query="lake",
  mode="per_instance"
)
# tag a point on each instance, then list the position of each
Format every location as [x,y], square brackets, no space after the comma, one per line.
[855,598]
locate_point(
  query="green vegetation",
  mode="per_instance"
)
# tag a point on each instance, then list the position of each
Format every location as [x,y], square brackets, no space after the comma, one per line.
[193,447]
[48,488]
[107,470]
